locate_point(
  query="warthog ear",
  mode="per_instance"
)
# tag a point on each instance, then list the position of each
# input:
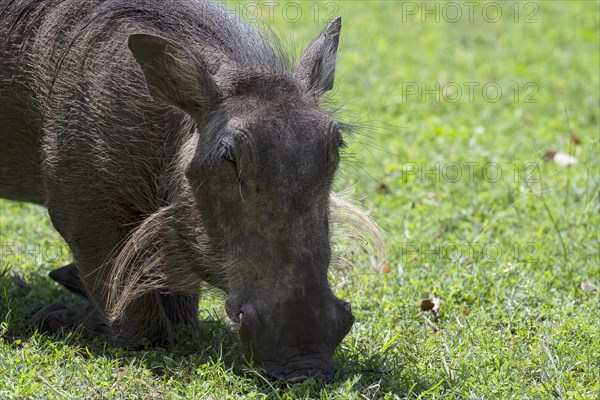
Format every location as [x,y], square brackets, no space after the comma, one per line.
[173,74]
[317,66]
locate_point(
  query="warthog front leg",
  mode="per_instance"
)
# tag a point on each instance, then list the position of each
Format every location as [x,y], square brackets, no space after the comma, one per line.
[181,308]
[94,245]
[144,318]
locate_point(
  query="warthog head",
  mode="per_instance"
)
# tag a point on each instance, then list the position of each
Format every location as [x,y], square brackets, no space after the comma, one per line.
[261,173]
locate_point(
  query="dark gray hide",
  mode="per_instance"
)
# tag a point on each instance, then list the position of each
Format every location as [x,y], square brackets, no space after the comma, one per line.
[172,145]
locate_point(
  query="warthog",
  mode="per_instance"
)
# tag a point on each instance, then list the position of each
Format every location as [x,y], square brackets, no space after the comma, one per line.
[172,144]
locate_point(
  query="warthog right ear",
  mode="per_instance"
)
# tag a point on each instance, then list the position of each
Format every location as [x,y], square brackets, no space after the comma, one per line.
[173,74]
[316,68]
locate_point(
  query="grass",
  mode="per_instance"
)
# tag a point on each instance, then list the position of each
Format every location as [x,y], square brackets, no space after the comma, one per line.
[505,245]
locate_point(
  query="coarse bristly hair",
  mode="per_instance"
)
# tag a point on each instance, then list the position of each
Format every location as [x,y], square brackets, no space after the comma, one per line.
[139,266]
[73,43]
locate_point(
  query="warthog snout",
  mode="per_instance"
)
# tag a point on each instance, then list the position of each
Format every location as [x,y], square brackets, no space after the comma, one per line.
[293,339]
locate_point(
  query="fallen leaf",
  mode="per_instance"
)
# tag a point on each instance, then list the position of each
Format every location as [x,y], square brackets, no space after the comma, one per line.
[432,305]
[426,305]
[562,159]
[549,155]
[575,139]
[589,287]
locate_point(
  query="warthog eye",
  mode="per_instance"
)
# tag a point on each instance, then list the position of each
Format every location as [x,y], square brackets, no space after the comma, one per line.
[226,151]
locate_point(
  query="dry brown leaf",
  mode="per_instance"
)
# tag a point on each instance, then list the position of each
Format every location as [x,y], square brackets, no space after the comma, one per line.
[426,305]
[589,287]
[575,139]
[432,305]
[549,155]
[560,158]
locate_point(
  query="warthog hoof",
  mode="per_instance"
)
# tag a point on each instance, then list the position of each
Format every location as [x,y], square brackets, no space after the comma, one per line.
[58,318]
[55,317]
[68,276]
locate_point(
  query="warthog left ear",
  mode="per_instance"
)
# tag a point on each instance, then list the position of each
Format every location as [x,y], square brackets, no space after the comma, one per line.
[317,66]
[173,74]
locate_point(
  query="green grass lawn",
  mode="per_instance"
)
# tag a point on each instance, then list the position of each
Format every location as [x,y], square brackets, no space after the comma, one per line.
[457,105]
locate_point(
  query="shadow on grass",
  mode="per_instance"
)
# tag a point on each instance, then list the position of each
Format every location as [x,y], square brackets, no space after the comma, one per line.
[210,347]
[211,340]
